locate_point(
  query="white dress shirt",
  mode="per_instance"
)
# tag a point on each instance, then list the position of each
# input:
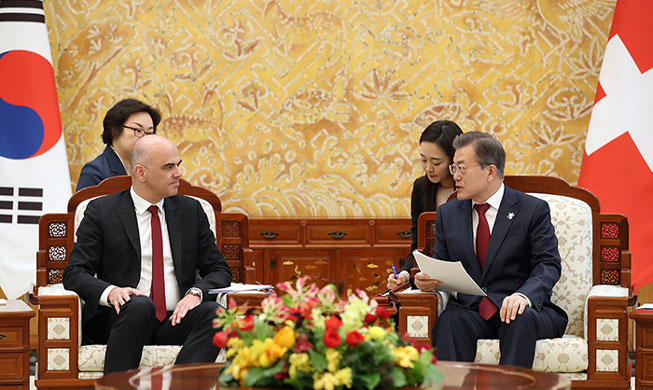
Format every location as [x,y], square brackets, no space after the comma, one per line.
[144,220]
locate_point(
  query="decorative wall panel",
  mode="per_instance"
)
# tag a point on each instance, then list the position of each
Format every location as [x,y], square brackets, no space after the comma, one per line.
[314,108]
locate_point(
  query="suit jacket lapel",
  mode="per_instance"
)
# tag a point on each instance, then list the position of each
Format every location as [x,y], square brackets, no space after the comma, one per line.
[501,226]
[127,217]
[470,252]
[172,220]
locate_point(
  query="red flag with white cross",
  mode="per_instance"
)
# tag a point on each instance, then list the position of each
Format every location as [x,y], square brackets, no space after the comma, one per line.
[618,161]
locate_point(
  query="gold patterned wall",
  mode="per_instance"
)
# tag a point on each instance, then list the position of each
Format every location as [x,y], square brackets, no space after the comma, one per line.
[314,108]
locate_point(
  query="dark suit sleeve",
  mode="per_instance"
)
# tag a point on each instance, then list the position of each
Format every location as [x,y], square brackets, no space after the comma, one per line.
[83,264]
[211,263]
[91,175]
[544,257]
[415,211]
[440,250]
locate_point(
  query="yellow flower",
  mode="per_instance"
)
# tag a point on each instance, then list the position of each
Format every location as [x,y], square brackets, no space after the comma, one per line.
[233,346]
[405,356]
[375,332]
[285,338]
[333,359]
[274,351]
[325,380]
[344,377]
[299,362]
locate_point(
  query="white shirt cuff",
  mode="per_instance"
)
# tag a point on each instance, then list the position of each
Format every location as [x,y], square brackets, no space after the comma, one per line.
[104,298]
[530,304]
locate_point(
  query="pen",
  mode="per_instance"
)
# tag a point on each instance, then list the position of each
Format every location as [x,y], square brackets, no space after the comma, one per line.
[394,271]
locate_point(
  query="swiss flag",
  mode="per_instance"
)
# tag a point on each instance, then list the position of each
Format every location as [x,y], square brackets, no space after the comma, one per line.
[618,160]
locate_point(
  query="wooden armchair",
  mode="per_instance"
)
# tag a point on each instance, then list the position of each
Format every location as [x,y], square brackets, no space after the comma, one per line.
[594,289]
[63,362]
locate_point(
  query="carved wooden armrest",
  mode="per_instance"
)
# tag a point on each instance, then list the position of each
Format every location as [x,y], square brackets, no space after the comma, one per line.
[59,332]
[607,333]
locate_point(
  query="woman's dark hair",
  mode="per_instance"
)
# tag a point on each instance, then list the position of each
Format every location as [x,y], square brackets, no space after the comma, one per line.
[441,133]
[118,115]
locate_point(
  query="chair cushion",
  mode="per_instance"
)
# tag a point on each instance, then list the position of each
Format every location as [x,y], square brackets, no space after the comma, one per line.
[565,354]
[572,219]
[91,357]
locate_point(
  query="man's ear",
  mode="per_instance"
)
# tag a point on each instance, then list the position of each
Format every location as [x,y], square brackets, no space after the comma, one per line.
[492,172]
[139,173]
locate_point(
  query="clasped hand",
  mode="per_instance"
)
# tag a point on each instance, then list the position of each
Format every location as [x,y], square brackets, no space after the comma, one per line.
[119,295]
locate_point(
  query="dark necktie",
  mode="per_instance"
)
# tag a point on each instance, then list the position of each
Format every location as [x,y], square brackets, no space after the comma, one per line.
[157,292]
[486,308]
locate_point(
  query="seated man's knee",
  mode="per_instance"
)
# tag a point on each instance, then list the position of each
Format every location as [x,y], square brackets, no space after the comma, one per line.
[138,307]
[207,309]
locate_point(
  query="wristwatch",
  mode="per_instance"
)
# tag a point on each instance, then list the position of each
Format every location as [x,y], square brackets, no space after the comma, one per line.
[195,291]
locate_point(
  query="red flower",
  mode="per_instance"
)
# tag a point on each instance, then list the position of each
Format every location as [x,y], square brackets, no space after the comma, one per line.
[369,318]
[331,339]
[354,338]
[382,312]
[302,344]
[332,323]
[247,323]
[220,339]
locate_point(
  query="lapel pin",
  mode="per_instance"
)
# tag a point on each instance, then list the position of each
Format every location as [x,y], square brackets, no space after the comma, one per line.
[510,216]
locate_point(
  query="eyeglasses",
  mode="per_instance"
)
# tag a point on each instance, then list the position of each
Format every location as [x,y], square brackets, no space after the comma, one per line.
[453,168]
[140,133]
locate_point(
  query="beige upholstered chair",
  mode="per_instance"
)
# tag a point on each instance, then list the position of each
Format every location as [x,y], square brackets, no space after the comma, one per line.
[594,289]
[63,362]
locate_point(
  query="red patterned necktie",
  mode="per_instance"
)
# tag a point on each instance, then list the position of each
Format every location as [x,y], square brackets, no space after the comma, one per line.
[486,308]
[157,292]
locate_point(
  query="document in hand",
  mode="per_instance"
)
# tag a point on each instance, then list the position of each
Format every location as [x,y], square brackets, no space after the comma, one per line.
[237,287]
[452,274]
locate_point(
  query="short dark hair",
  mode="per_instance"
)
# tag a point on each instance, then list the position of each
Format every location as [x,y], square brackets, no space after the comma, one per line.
[487,148]
[441,133]
[118,115]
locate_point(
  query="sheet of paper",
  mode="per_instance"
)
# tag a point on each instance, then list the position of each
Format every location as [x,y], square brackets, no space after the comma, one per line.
[645,306]
[452,274]
[237,287]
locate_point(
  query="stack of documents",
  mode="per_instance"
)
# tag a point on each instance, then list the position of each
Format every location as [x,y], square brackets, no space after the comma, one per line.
[452,274]
[238,287]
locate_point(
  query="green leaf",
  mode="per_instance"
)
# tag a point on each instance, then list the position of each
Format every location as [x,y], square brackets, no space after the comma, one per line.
[398,377]
[434,375]
[369,380]
[261,329]
[226,379]
[257,375]
[317,360]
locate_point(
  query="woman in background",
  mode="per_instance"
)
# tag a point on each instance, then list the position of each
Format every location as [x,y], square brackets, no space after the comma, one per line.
[124,124]
[432,189]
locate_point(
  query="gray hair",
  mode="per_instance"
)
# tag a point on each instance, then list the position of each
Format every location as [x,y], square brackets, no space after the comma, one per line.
[487,148]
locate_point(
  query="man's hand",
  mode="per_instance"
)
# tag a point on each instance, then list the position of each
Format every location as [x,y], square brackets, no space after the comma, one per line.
[512,305]
[398,281]
[119,295]
[425,283]
[182,307]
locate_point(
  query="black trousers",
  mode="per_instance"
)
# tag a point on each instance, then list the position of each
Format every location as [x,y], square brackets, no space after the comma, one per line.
[126,333]
[457,330]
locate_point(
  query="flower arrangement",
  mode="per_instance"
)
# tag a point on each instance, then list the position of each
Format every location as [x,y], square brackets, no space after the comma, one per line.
[307,338]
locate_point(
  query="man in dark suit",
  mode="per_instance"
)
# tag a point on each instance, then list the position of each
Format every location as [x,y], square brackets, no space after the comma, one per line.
[506,242]
[124,124]
[136,260]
